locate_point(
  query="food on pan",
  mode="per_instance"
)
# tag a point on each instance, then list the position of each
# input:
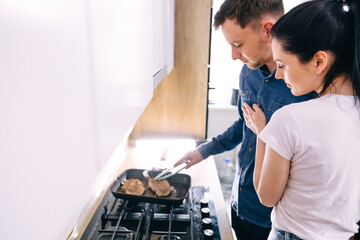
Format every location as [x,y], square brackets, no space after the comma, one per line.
[161,188]
[133,186]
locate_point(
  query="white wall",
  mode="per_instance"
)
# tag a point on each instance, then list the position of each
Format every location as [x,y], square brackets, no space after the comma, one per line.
[289,4]
[220,118]
[74,77]
[224,72]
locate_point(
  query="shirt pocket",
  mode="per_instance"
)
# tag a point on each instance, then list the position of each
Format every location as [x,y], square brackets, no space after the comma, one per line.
[275,106]
[245,95]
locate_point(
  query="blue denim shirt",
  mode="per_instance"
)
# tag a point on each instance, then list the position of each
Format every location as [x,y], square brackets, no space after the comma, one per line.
[260,87]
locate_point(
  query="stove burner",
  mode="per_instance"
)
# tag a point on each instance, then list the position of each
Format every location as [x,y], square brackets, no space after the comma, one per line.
[121,234]
[108,236]
[120,219]
[172,237]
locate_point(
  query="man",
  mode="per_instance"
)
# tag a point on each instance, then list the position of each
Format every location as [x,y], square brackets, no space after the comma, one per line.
[246,25]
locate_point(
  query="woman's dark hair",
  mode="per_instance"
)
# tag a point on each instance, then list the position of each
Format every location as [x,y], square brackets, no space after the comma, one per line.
[246,10]
[324,25]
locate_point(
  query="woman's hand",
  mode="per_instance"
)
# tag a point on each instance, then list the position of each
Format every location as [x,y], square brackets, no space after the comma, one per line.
[254,118]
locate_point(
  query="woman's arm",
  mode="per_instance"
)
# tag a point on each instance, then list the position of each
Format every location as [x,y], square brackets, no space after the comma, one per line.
[271,171]
[259,160]
[272,175]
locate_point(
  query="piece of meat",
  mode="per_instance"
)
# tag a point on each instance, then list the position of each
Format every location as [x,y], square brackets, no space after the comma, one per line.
[161,188]
[133,186]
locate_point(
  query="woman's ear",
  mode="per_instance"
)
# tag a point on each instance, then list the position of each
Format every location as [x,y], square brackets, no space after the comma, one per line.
[321,61]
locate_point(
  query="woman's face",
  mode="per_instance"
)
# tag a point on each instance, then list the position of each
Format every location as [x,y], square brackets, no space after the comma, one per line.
[300,78]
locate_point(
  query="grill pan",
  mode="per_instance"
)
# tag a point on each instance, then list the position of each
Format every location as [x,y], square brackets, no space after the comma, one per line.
[180,182]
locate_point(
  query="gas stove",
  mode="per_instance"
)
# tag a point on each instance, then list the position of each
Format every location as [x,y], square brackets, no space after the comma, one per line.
[118,219]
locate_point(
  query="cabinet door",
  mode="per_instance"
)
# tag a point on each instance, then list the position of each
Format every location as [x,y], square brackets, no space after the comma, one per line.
[47,142]
[121,33]
[160,35]
[163,38]
[171,36]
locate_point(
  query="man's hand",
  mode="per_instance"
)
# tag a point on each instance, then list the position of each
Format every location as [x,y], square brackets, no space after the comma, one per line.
[193,157]
[254,118]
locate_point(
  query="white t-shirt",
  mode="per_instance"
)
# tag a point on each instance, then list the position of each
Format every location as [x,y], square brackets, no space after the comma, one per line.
[321,138]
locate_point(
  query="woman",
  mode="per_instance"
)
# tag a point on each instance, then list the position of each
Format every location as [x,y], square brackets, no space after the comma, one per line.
[308,156]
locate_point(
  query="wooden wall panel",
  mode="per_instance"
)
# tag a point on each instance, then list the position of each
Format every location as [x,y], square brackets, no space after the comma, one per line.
[179,104]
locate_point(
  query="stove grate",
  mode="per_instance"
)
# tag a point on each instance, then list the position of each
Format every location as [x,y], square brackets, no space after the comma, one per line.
[128,220]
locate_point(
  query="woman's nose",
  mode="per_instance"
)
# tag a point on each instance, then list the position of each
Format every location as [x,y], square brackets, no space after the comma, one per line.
[279,74]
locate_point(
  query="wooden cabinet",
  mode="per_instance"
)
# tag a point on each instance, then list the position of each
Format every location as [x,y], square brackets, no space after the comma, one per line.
[179,105]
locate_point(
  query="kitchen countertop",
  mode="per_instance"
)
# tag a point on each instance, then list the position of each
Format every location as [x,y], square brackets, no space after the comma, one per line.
[161,153]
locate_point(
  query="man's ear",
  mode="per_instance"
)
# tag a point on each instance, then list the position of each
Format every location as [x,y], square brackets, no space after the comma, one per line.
[266,26]
[321,61]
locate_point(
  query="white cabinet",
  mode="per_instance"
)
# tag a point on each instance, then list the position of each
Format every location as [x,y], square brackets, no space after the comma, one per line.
[163,38]
[122,57]
[74,78]
[47,140]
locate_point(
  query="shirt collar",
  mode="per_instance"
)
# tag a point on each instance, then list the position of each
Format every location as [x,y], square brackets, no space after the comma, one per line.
[265,71]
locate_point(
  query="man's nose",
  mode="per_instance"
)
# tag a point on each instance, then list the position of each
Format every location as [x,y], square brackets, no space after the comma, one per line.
[235,53]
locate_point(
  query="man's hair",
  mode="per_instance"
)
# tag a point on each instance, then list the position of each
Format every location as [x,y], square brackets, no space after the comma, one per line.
[244,11]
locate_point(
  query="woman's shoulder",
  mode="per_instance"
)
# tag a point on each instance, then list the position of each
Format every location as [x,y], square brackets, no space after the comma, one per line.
[327,101]
[301,105]
[300,109]
[312,108]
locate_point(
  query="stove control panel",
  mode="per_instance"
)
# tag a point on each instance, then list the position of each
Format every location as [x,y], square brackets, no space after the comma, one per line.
[204,215]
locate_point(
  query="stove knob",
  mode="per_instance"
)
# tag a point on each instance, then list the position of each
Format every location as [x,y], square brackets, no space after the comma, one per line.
[208,234]
[205,212]
[206,223]
[204,203]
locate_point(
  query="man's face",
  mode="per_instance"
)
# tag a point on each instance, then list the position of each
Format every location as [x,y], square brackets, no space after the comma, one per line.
[249,45]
